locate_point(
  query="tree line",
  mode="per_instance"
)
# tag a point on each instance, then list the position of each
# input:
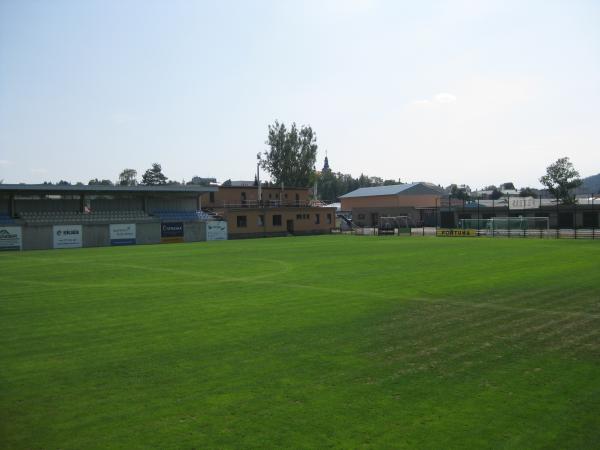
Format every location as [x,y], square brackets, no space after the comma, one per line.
[291,157]
[154,176]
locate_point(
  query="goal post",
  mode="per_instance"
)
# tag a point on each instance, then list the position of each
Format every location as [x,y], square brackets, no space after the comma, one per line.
[389,225]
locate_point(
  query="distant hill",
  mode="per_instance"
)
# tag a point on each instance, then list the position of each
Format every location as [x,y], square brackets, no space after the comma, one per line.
[590,184]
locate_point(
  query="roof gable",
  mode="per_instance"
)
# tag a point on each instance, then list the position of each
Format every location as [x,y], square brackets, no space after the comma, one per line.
[394,189]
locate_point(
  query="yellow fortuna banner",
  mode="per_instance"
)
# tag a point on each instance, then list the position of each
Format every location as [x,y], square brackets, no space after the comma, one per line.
[455,232]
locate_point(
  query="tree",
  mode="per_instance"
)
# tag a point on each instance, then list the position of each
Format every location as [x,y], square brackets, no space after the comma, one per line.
[560,178]
[292,155]
[202,181]
[528,192]
[154,176]
[496,194]
[461,193]
[128,177]
[328,186]
[97,182]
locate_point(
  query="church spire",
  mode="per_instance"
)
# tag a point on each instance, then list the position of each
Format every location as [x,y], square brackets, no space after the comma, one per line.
[326,164]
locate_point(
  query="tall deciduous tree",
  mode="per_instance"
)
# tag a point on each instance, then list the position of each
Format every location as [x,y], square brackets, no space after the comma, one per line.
[292,155]
[560,178]
[128,177]
[154,176]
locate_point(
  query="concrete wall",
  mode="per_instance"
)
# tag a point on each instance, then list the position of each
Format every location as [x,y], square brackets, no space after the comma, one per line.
[95,236]
[41,238]
[194,231]
[148,233]
[37,238]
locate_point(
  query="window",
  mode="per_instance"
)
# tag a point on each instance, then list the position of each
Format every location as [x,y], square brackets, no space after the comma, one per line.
[317,218]
[277,220]
[260,221]
[242,221]
[361,216]
[298,216]
[211,197]
[297,199]
[328,219]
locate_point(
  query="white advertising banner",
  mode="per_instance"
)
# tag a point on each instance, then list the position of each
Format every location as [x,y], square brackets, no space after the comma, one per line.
[122,234]
[67,236]
[523,203]
[10,238]
[216,230]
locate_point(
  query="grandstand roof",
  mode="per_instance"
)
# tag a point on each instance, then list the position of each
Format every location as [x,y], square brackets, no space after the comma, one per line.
[394,189]
[101,189]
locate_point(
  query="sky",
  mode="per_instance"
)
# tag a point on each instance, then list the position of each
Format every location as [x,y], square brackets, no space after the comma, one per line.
[467,92]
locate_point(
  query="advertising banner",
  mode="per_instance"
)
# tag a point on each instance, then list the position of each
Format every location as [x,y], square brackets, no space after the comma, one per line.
[171,232]
[122,234]
[455,232]
[67,236]
[216,230]
[10,238]
[523,203]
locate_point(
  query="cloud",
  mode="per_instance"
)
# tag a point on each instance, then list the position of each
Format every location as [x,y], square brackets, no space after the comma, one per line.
[39,171]
[445,97]
[4,162]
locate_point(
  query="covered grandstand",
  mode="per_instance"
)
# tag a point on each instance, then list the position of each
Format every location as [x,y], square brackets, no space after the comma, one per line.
[40,214]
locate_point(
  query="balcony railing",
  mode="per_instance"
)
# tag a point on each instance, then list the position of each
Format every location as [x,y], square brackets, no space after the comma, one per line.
[268,204]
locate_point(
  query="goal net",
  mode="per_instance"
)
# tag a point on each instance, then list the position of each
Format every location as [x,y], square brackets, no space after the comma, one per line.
[506,223]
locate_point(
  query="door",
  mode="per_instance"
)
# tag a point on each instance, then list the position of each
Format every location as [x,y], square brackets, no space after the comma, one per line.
[290,226]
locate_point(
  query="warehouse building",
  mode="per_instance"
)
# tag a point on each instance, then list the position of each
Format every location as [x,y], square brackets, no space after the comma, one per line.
[417,201]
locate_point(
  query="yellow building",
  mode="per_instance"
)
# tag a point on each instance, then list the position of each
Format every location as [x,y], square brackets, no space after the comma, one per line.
[278,213]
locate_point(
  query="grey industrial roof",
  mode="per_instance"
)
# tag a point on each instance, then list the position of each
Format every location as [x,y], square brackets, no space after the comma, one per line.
[101,189]
[393,189]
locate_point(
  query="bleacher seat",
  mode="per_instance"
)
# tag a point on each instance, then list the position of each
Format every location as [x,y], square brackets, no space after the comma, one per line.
[75,217]
[184,216]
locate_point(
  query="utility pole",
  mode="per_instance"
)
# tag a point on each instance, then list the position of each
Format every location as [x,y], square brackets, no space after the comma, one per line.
[258,178]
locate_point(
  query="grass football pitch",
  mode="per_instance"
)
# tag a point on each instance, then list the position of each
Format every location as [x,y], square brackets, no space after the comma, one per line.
[315,342]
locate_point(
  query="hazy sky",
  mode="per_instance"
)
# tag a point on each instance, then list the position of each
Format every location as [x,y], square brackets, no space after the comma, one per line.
[468,92]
